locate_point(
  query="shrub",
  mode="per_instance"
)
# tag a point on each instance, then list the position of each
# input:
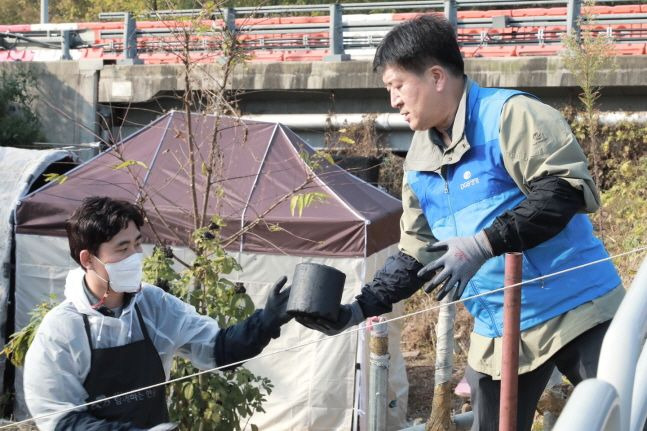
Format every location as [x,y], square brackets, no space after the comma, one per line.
[19,125]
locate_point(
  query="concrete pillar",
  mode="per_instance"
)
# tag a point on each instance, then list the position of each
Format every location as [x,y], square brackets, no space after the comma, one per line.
[88,101]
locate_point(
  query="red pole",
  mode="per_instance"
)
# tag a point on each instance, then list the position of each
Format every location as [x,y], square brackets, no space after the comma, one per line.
[510,360]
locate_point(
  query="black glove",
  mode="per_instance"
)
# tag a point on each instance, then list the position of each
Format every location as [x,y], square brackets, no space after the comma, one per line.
[274,314]
[349,315]
[249,337]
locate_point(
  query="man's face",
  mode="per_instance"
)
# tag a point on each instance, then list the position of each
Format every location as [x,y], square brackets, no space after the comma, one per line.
[125,243]
[418,97]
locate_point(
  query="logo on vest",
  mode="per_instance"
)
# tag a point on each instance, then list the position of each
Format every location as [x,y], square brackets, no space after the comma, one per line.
[467,175]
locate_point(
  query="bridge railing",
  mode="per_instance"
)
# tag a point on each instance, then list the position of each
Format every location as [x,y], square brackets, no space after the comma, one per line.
[617,399]
[496,28]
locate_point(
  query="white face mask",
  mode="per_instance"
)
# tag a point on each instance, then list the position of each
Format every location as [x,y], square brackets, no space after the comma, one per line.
[125,275]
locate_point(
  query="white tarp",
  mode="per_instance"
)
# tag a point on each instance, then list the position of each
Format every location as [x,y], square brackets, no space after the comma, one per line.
[314,386]
[20,168]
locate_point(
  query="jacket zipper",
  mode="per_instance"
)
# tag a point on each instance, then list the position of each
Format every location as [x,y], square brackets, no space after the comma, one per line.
[444,175]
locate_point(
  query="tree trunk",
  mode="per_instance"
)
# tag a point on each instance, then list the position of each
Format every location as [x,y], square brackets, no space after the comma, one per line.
[440,417]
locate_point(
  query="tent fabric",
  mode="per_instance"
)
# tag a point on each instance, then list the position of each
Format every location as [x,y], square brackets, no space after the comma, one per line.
[316,387]
[20,169]
[262,164]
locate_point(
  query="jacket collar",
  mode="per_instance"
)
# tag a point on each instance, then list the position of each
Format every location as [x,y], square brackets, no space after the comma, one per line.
[75,293]
[427,152]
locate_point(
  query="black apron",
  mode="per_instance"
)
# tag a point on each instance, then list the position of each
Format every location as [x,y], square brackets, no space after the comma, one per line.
[116,370]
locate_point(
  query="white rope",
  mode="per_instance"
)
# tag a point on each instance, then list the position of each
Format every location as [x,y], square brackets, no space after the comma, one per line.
[330,337]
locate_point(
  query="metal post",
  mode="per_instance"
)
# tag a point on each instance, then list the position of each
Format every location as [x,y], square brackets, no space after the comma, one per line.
[130,40]
[451,13]
[573,10]
[229,15]
[378,375]
[65,45]
[336,35]
[44,11]
[510,360]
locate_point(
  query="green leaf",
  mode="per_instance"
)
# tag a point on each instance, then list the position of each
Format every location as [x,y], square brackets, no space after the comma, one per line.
[128,163]
[55,178]
[326,156]
[347,140]
[301,201]
[19,342]
[188,391]
[293,203]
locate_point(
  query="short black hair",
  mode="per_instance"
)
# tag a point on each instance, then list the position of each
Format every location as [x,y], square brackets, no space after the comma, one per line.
[418,44]
[98,220]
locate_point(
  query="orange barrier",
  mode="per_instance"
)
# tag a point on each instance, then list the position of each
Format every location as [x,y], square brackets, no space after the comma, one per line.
[306,55]
[159,58]
[91,53]
[469,51]
[629,48]
[539,50]
[267,56]
[16,55]
[100,25]
[404,16]
[496,51]
[553,11]
[16,28]
[473,14]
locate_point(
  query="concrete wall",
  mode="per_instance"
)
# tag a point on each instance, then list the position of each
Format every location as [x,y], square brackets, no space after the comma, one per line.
[66,99]
[129,97]
[519,72]
[352,87]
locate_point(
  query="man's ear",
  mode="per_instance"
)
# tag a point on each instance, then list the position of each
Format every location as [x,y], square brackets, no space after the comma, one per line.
[85,257]
[438,76]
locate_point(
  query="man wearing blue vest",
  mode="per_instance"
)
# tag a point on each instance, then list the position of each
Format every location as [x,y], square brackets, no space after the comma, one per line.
[491,171]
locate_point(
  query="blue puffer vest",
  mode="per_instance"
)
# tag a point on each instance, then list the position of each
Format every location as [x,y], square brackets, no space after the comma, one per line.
[469,195]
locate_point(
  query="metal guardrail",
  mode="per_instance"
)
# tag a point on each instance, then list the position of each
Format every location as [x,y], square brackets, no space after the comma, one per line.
[343,35]
[343,32]
[616,400]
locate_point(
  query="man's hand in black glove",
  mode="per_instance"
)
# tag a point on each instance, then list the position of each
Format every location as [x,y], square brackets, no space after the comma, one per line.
[274,314]
[349,315]
[249,337]
[463,258]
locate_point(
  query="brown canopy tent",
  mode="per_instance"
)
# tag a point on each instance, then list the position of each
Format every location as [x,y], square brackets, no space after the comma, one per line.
[262,163]
[353,228]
